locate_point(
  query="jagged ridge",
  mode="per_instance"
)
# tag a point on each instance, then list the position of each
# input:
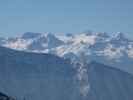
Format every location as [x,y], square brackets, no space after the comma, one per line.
[114,50]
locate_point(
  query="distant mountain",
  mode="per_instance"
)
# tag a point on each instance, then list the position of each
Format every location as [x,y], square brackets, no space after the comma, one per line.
[30,35]
[114,50]
[34,76]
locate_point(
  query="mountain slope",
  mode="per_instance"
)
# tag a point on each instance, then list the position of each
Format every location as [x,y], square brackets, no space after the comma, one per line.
[5,97]
[35,76]
[107,83]
[44,76]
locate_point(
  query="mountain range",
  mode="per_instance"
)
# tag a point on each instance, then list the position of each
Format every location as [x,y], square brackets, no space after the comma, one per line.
[114,49]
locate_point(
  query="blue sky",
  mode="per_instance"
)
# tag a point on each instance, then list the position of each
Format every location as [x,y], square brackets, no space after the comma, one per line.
[18,16]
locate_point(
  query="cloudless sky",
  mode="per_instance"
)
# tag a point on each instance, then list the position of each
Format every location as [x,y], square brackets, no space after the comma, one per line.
[19,16]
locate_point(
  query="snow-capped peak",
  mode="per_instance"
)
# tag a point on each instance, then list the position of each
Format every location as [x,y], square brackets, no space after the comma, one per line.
[113,49]
[102,34]
[30,35]
[119,36]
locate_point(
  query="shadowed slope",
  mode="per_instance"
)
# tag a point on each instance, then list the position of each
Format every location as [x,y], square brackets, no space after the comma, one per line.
[44,76]
[35,76]
[108,83]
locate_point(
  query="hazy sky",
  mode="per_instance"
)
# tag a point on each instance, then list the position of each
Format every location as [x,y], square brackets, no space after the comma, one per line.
[18,16]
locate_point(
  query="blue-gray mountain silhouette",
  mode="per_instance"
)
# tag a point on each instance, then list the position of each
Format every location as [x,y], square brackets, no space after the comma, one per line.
[48,77]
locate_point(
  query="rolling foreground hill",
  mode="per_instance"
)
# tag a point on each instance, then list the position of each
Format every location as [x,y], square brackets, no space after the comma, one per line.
[33,76]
